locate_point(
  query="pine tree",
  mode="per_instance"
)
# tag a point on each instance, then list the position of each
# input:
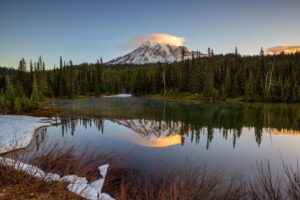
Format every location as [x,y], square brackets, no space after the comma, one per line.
[251,87]
[35,95]
[31,66]
[2,102]
[196,79]
[164,78]
[98,77]
[22,65]
[208,79]
[182,54]
[268,79]
[262,53]
[138,84]
[22,76]
[227,86]
[42,81]
[10,94]
[60,62]
[236,51]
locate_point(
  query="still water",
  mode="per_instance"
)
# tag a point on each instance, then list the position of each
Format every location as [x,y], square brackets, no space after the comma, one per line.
[151,132]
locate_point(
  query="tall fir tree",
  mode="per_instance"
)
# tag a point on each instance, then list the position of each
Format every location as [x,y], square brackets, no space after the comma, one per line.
[251,88]
[35,95]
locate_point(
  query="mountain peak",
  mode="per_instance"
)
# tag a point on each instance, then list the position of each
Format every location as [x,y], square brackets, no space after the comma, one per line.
[153,52]
[155,43]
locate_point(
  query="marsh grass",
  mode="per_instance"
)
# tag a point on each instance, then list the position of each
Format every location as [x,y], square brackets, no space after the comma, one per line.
[16,185]
[186,182]
[58,159]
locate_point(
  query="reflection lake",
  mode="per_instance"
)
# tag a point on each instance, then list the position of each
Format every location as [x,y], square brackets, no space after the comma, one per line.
[151,132]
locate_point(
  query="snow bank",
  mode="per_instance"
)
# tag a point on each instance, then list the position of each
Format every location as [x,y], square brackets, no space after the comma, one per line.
[76,184]
[17,131]
[119,95]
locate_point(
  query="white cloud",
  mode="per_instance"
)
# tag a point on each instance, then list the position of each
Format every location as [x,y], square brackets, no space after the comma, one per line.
[158,37]
[285,49]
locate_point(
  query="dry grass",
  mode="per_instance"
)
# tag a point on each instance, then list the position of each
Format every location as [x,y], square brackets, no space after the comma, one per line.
[66,160]
[292,181]
[43,112]
[187,182]
[184,183]
[265,184]
[194,183]
[16,185]
[57,159]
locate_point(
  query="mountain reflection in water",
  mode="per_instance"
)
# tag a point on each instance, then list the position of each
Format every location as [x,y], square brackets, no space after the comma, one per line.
[190,118]
[153,133]
[231,135]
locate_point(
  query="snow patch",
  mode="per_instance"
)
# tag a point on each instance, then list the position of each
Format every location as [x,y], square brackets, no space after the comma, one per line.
[103,170]
[76,184]
[98,184]
[17,131]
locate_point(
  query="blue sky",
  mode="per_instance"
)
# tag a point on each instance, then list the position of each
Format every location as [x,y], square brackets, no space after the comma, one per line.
[85,30]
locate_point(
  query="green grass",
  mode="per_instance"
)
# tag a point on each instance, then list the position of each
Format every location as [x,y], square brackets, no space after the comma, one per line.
[188,96]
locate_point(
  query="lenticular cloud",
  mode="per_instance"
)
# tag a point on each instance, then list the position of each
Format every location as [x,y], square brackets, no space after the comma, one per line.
[159,38]
[285,49]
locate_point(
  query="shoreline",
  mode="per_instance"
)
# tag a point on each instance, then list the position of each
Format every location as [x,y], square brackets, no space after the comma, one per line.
[15,136]
[41,112]
[48,109]
[20,150]
[75,184]
[206,99]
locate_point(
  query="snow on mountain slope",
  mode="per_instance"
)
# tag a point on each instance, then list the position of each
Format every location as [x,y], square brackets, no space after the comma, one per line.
[153,52]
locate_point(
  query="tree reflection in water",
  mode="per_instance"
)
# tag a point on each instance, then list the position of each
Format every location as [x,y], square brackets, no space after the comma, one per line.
[152,118]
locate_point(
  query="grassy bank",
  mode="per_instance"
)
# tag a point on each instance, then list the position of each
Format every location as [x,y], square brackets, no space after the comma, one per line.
[41,112]
[199,97]
[16,185]
[186,182]
[188,96]
[56,159]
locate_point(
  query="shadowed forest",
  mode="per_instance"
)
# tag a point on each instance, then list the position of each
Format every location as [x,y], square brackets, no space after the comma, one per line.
[269,78]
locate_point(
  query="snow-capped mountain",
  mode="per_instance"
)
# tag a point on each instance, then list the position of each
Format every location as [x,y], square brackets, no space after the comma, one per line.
[149,128]
[153,52]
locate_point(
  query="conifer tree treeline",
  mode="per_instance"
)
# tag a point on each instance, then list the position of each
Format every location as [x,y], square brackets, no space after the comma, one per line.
[272,78]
